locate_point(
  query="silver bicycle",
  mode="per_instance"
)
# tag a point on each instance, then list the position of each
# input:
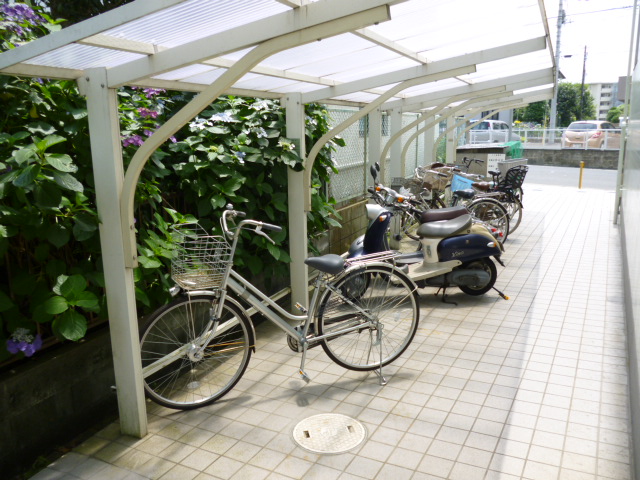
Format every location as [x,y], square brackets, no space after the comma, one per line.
[363,313]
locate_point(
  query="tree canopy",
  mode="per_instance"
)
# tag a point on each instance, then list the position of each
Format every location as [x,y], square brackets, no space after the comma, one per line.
[575,102]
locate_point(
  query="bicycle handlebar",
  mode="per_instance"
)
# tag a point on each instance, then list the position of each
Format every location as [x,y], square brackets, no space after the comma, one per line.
[230,212]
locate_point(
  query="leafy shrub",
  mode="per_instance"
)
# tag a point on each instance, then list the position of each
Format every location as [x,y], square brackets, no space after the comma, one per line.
[51,281]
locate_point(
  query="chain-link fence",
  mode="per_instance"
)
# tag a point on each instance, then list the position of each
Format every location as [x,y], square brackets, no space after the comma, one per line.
[351,160]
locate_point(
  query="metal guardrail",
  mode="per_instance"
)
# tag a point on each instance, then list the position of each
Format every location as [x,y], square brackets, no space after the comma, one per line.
[552,138]
[556,138]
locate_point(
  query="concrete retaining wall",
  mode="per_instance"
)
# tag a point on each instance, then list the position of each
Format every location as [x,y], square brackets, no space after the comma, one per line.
[50,399]
[607,159]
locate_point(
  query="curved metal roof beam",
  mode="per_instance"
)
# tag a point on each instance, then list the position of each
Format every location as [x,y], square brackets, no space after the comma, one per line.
[452,110]
[313,153]
[212,92]
[470,59]
[396,136]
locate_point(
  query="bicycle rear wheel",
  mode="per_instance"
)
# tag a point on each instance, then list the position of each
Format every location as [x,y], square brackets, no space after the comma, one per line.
[514,208]
[383,320]
[493,213]
[185,365]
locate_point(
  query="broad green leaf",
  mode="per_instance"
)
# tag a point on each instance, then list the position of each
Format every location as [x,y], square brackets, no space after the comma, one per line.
[55,305]
[72,286]
[41,128]
[5,302]
[142,297]
[85,226]
[87,222]
[23,155]
[19,136]
[149,262]
[40,315]
[333,222]
[274,250]
[78,113]
[49,141]
[61,162]
[48,195]
[67,181]
[87,301]
[28,175]
[54,269]
[58,235]
[71,325]
[9,177]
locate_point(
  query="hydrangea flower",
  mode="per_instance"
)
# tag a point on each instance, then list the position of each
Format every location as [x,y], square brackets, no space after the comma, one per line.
[136,140]
[23,341]
[240,156]
[221,117]
[152,92]
[146,113]
[200,124]
[261,133]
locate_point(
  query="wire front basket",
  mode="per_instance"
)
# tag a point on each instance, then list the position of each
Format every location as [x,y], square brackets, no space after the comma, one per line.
[200,261]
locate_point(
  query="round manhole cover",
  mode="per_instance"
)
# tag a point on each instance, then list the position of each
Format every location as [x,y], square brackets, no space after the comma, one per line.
[329,433]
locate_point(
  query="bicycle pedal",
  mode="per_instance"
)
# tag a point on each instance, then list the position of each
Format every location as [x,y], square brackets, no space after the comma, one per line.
[304,376]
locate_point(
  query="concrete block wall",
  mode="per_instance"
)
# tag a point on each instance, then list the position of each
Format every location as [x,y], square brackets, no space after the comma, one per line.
[354,223]
[566,157]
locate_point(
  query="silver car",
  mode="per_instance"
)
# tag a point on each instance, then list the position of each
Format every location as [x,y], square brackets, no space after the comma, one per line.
[491,131]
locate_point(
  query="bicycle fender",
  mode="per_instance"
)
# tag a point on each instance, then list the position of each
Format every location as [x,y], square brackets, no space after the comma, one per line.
[241,309]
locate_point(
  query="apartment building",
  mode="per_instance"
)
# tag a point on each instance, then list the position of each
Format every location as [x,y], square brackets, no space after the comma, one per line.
[605,97]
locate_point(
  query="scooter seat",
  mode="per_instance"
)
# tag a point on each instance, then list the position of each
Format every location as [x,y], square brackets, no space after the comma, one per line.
[437,214]
[329,263]
[482,186]
[466,193]
[444,229]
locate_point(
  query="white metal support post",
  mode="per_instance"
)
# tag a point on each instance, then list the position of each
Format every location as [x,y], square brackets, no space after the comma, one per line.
[108,173]
[429,139]
[450,146]
[395,166]
[297,193]
[375,141]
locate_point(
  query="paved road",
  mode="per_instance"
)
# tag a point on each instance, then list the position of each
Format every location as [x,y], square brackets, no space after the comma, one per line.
[569,177]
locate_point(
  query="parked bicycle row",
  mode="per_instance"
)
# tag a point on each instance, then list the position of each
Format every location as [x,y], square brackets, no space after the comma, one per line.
[364,308]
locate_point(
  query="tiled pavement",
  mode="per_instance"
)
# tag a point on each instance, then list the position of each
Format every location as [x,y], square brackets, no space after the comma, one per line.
[533,388]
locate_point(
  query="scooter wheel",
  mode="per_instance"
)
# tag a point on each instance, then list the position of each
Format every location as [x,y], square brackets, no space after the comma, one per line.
[488,266]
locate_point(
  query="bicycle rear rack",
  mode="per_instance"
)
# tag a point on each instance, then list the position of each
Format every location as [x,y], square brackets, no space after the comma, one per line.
[372,257]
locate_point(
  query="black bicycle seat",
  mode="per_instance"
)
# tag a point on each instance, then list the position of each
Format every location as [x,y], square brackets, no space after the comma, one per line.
[330,263]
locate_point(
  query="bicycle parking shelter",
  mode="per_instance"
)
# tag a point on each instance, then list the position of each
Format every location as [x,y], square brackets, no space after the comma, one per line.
[432,57]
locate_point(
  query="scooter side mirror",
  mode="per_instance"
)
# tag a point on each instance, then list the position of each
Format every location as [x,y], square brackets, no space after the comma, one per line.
[374,172]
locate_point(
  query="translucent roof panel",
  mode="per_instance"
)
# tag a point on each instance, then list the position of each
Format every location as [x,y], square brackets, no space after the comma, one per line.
[327,50]
[194,19]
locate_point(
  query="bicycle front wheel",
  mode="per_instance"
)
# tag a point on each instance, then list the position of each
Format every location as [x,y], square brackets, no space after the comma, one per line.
[492,213]
[374,329]
[188,358]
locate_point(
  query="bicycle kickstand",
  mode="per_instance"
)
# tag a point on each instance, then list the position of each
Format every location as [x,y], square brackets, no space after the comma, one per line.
[301,371]
[383,380]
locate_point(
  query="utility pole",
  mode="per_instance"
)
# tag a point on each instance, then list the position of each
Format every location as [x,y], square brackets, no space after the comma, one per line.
[584,70]
[554,101]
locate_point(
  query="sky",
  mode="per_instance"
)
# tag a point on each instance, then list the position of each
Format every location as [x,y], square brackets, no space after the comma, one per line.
[604,27]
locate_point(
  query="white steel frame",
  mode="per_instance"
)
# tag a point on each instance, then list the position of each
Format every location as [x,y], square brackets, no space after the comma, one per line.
[306,22]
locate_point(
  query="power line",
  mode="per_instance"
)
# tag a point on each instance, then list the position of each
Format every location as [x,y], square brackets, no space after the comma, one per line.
[595,11]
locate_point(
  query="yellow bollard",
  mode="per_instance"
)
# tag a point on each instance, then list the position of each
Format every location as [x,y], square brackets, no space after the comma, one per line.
[581,172]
